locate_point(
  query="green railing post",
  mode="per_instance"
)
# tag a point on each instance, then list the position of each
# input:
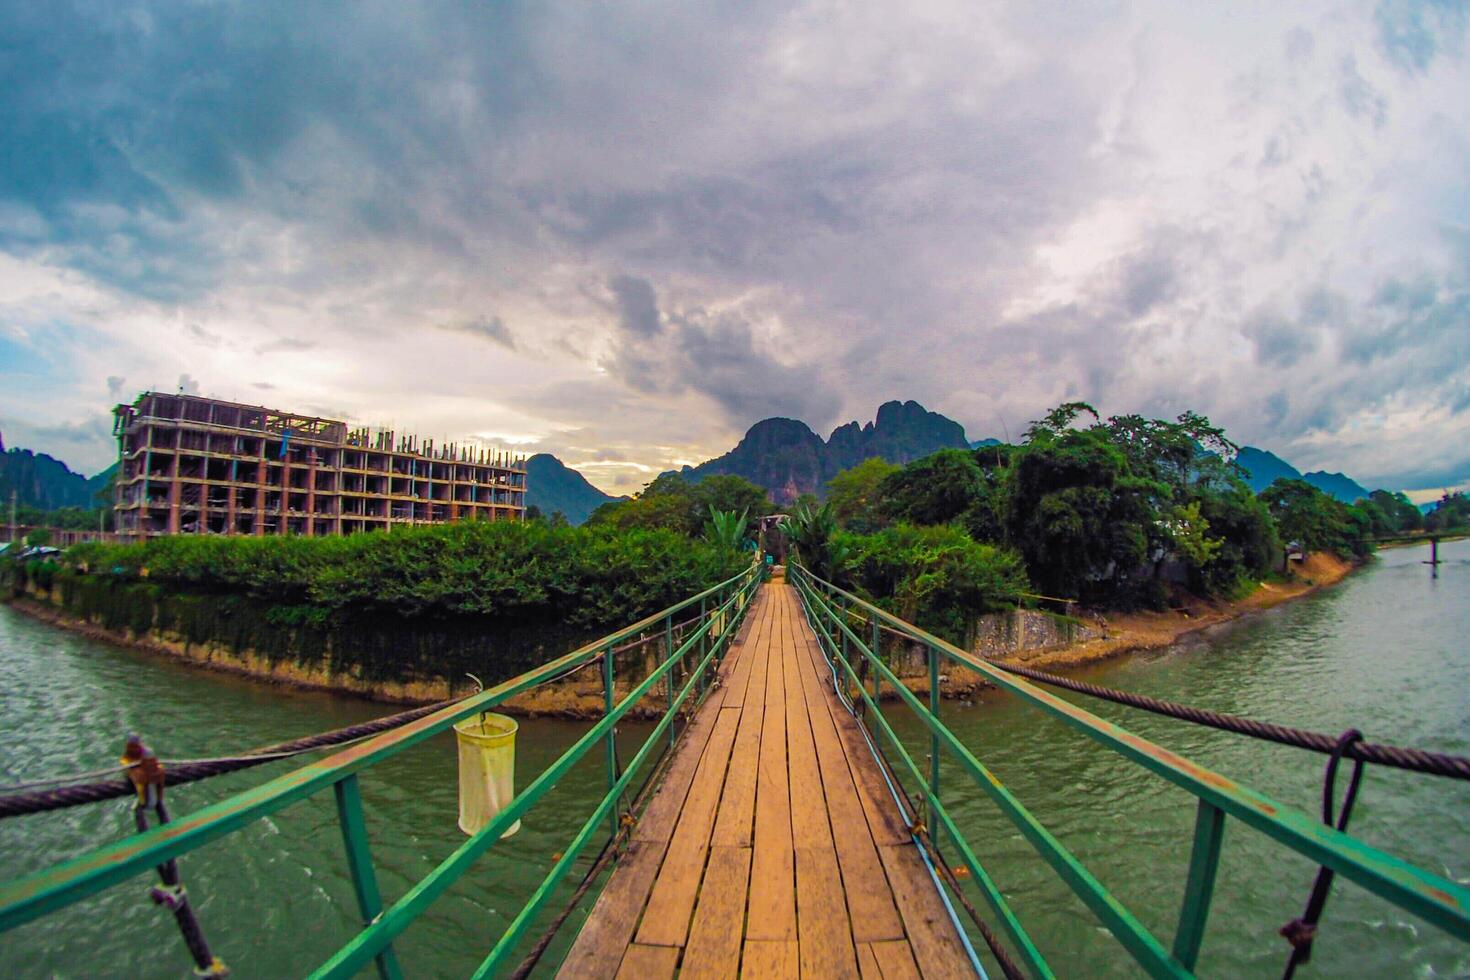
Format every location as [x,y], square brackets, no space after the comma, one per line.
[1204,859]
[612,733]
[703,649]
[360,863]
[844,635]
[673,673]
[933,710]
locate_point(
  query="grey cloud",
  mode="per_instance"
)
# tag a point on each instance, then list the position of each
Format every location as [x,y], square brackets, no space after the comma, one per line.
[86,432]
[1359,98]
[491,328]
[287,345]
[636,306]
[1278,404]
[1281,343]
[1299,44]
[115,384]
[1146,282]
[187,385]
[203,336]
[717,356]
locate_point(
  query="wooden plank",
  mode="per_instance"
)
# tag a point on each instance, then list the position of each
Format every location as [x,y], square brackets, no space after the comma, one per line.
[809,822]
[896,958]
[877,802]
[735,671]
[648,962]
[936,946]
[610,925]
[773,873]
[869,897]
[662,812]
[889,960]
[825,935]
[719,920]
[735,824]
[666,921]
[770,960]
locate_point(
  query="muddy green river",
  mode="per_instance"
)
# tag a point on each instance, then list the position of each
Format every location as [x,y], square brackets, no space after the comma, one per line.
[1387,651]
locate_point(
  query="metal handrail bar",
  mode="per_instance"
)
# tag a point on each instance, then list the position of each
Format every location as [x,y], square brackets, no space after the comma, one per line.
[28,897]
[1433,897]
[376,936]
[993,896]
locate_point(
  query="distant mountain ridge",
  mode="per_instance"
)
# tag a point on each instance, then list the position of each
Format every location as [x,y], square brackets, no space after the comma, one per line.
[554,487]
[1264,468]
[43,481]
[788,459]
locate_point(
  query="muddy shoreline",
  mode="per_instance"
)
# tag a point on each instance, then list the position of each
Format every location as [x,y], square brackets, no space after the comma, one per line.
[1121,635]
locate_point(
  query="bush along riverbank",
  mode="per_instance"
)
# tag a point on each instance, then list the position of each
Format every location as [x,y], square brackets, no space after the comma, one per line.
[402,617]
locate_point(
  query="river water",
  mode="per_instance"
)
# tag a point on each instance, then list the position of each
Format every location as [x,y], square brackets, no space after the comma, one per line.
[1385,651]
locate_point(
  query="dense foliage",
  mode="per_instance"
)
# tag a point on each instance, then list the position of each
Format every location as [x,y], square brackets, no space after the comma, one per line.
[935,577]
[1453,510]
[583,577]
[673,503]
[1114,511]
[1392,513]
[1316,521]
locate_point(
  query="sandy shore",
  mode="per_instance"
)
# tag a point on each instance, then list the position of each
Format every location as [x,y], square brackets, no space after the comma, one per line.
[1130,632]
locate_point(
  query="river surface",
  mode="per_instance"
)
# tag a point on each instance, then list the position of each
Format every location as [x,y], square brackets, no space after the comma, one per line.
[1386,651]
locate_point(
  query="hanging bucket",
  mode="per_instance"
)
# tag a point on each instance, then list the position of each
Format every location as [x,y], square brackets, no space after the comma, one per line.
[487,769]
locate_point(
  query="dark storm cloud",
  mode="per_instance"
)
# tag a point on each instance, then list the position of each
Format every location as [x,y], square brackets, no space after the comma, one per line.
[636,304]
[716,355]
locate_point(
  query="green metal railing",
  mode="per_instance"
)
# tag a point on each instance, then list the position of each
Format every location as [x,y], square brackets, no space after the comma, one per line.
[839,617]
[720,611]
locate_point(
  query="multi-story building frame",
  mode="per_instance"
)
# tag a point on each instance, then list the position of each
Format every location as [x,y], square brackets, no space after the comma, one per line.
[192,465]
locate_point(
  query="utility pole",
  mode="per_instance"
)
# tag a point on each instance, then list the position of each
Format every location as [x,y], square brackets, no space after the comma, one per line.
[12,516]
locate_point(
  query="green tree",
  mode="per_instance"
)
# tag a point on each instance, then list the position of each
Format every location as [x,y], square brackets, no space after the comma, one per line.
[1453,510]
[811,531]
[1316,520]
[1249,546]
[936,489]
[1396,514]
[855,495]
[1080,518]
[729,493]
[935,577]
[726,529]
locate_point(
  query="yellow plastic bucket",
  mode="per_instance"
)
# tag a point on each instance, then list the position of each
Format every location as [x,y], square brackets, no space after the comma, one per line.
[487,770]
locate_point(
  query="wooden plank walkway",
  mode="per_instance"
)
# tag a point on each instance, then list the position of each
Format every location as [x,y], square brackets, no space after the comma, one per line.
[772,848]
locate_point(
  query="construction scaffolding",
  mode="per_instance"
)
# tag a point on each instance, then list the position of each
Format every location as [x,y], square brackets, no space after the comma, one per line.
[192,465]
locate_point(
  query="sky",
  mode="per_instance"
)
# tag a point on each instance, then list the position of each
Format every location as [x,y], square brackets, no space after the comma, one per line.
[622,233]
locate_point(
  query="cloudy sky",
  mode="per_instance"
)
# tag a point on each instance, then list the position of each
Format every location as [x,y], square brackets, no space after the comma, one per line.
[624,232]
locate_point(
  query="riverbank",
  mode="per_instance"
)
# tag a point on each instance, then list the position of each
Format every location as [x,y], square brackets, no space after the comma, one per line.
[1121,634]
[575,697]
[582,697]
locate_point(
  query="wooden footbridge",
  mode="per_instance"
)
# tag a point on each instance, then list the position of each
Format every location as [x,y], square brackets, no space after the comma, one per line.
[773,847]
[778,840]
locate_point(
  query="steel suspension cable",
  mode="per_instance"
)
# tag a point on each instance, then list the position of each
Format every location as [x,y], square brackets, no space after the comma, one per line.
[30,797]
[1395,756]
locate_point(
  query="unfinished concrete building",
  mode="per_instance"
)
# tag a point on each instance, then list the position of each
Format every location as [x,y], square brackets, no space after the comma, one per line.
[191,465]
